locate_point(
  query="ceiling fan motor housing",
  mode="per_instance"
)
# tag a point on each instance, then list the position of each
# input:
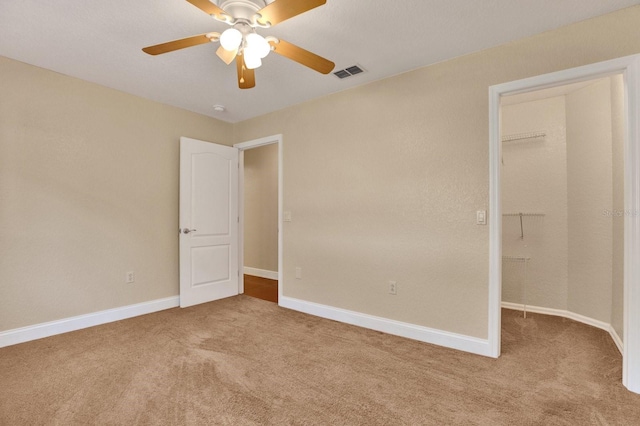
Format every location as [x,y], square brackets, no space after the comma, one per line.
[242,9]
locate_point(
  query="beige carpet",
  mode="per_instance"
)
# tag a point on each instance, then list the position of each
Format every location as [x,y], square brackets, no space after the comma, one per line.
[244,361]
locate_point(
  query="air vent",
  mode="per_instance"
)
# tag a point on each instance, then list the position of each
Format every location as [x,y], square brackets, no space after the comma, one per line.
[354,70]
[348,72]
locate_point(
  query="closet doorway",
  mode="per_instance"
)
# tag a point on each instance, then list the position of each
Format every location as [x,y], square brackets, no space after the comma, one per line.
[527,226]
[563,203]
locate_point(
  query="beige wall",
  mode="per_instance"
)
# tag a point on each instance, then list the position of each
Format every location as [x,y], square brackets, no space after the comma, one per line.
[384,180]
[534,180]
[89,191]
[617,122]
[589,181]
[261,208]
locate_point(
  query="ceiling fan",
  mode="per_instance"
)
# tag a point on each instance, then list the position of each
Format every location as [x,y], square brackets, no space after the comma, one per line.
[242,43]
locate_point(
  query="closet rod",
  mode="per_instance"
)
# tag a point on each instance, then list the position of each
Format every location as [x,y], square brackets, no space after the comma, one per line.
[522,136]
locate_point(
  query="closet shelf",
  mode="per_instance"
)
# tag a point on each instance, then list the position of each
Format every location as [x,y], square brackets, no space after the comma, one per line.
[516,258]
[523,214]
[523,136]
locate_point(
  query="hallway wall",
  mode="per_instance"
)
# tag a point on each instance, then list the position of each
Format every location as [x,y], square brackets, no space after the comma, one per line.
[261,208]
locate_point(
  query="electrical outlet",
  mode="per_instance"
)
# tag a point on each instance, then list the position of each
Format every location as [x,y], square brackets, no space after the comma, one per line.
[131,277]
[393,287]
[298,273]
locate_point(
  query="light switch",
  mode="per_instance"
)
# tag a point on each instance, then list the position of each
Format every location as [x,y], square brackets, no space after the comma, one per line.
[286,216]
[481,217]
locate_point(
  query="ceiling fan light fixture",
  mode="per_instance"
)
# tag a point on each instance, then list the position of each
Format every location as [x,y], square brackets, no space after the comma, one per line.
[241,42]
[230,39]
[257,42]
[252,58]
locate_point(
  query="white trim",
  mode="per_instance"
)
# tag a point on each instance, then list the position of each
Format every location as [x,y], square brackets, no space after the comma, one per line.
[46,329]
[616,339]
[631,357]
[631,330]
[243,146]
[240,220]
[570,315]
[429,335]
[558,313]
[495,225]
[262,273]
[629,67]
[256,143]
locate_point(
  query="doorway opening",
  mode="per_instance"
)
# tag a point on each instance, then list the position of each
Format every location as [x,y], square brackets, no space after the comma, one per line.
[562,201]
[528,224]
[260,208]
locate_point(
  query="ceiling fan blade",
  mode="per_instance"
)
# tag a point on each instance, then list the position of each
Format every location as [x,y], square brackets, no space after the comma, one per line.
[227,56]
[302,56]
[209,8]
[170,46]
[281,10]
[246,77]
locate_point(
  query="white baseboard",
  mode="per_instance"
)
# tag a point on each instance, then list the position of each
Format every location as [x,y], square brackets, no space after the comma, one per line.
[558,313]
[262,273]
[424,334]
[616,339]
[570,315]
[39,331]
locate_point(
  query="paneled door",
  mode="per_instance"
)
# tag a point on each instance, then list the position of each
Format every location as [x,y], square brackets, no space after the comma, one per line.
[208,222]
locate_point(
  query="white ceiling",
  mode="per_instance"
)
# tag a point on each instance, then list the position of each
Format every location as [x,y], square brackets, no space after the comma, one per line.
[101,41]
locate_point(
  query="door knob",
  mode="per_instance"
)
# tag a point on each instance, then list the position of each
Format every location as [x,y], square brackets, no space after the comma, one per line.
[187,230]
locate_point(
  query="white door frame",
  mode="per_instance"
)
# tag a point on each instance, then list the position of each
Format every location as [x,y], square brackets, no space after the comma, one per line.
[629,67]
[243,146]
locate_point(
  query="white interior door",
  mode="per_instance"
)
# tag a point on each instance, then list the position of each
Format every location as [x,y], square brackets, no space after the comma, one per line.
[208,222]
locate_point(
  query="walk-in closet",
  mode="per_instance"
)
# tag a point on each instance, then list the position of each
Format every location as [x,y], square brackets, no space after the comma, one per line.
[563,202]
